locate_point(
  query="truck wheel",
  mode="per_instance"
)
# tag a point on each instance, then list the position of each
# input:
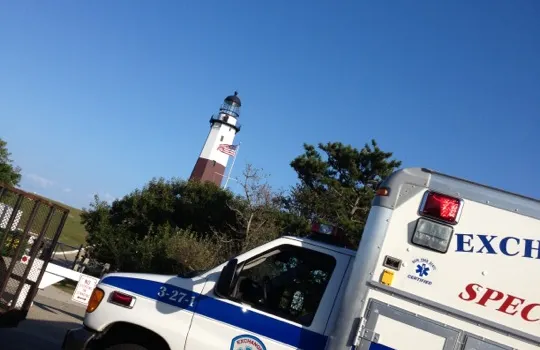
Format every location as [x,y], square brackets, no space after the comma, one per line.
[127,346]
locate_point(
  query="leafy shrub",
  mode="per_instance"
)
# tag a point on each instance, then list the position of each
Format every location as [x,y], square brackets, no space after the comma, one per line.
[193,253]
[12,243]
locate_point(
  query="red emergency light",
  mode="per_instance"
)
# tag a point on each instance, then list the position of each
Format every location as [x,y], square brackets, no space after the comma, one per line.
[442,207]
[435,231]
[323,229]
[329,234]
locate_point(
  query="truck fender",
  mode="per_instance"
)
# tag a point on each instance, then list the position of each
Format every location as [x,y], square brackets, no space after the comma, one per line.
[119,333]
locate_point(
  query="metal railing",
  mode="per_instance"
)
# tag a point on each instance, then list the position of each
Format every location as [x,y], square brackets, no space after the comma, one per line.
[27,222]
[66,255]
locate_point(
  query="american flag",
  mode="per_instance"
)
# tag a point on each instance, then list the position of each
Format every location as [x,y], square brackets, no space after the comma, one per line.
[228,149]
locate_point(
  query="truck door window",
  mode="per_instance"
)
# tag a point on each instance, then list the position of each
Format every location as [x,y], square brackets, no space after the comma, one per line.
[288,282]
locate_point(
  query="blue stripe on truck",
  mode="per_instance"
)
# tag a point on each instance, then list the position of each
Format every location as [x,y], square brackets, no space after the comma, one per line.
[375,346]
[225,312]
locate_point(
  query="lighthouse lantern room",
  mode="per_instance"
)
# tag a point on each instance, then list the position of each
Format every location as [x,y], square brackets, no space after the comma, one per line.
[219,144]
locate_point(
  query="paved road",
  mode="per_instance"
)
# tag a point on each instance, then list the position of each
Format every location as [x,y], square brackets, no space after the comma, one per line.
[51,315]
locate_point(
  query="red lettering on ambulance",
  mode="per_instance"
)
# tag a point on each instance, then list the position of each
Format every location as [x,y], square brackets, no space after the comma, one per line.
[487,296]
[470,290]
[510,304]
[250,342]
[526,310]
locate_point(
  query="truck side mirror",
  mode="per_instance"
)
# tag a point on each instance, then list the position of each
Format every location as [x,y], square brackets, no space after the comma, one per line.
[224,283]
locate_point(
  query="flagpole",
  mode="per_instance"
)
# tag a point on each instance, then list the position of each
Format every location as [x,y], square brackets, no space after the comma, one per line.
[232,165]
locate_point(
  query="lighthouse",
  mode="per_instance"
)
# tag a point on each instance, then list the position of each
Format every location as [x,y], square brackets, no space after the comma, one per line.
[219,143]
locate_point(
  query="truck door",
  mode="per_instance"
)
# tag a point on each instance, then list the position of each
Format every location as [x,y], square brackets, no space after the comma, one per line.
[281,298]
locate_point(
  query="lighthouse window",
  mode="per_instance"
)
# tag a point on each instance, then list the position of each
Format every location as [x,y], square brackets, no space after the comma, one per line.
[221,139]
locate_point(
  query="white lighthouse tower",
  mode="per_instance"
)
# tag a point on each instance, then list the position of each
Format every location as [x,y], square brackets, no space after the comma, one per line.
[219,144]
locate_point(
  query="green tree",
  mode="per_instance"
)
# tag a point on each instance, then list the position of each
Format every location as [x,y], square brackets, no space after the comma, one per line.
[118,245]
[193,253]
[179,226]
[132,233]
[199,206]
[257,209]
[9,174]
[338,188]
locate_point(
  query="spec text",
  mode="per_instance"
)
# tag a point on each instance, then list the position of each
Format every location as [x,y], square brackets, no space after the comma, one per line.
[503,302]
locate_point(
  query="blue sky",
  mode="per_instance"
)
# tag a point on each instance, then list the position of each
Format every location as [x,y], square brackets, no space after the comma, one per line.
[101,96]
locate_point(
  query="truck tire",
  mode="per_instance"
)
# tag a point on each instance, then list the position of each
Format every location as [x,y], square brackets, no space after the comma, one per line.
[127,346]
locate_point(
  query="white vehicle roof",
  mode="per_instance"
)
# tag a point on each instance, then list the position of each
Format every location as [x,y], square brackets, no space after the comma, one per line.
[345,251]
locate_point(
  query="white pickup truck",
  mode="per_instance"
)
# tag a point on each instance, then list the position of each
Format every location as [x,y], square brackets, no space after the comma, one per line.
[443,263]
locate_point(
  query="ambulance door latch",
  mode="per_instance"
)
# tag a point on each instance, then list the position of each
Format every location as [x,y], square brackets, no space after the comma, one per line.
[365,334]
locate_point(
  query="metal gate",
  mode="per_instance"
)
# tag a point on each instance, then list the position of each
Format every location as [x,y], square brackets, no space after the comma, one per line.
[29,229]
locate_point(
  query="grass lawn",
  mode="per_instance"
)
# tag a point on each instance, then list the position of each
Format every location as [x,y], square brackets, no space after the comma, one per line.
[73,233]
[66,285]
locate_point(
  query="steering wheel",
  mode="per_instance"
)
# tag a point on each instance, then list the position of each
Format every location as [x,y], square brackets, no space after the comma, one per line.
[252,291]
[266,287]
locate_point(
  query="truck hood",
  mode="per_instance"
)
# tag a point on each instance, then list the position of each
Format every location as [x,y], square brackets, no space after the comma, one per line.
[143,276]
[135,281]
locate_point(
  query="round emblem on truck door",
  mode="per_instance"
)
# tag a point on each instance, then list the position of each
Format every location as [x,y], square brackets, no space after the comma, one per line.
[247,342]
